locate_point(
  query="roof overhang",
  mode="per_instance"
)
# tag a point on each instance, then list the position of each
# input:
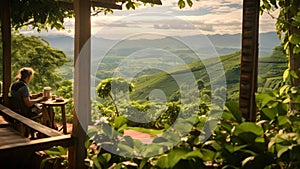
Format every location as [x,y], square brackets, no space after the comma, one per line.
[112,4]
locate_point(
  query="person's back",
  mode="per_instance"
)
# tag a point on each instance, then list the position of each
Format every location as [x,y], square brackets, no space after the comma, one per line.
[19,91]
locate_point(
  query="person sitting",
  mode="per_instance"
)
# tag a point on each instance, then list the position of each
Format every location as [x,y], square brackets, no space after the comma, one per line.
[22,101]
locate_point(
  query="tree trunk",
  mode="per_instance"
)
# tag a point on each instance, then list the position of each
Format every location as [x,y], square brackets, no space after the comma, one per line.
[292,29]
[294,59]
[249,60]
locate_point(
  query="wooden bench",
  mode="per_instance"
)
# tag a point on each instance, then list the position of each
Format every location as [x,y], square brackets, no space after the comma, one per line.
[13,145]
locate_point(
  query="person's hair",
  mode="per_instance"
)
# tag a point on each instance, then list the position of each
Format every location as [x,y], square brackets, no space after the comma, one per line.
[25,72]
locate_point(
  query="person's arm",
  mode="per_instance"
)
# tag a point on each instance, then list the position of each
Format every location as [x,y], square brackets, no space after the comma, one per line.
[35,96]
[30,102]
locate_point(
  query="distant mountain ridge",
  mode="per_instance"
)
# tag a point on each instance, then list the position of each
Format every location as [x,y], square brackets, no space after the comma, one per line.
[224,44]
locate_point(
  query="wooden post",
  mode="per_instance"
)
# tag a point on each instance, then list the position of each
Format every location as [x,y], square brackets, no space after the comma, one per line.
[77,152]
[6,47]
[249,59]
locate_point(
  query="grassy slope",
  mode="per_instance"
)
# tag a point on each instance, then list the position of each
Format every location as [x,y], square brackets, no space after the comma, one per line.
[270,73]
[166,83]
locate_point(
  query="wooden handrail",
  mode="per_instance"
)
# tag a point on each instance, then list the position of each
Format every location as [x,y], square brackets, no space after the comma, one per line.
[54,138]
[29,123]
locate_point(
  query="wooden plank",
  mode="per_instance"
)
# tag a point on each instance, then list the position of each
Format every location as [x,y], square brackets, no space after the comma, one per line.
[9,136]
[30,123]
[39,144]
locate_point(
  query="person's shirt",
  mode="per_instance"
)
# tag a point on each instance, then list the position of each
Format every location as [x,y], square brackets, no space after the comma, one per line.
[19,91]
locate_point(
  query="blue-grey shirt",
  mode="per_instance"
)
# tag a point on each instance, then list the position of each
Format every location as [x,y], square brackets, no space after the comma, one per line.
[19,91]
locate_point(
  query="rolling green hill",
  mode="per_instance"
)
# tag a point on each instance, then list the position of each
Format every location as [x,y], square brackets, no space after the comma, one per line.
[270,73]
[166,82]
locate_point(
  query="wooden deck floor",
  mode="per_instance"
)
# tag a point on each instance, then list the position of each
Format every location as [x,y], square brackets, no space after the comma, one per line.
[9,135]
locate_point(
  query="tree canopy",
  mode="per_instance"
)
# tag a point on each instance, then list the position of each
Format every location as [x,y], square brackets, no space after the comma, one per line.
[33,51]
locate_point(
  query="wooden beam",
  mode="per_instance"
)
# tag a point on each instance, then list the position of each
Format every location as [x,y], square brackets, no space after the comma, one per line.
[94,3]
[82,59]
[106,5]
[6,47]
[22,153]
[249,59]
[35,145]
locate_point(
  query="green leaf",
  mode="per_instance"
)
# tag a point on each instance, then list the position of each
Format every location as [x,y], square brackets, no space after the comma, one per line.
[264,99]
[190,3]
[56,151]
[125,147]
[296,49]
[119,122]
[129,141]
[163,162]
[267,5]
[208,155]
[286,74]
[294,74]
[96,163]
[281,149]
[226,126]
[195,153]
[106,156]
[248,127]
[181,4]
[296,18]
[142,163]
[153,149]
[270,112]
[282,120]
[233,108]
[283,89]
[294,39]
[233,148]
[43,163]
[174,156]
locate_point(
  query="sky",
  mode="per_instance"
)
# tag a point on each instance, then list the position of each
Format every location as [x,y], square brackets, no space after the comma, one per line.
[204,17]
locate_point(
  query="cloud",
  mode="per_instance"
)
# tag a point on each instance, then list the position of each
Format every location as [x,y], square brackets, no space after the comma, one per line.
[183,25]
[267,22]
[205,17]
[213,6]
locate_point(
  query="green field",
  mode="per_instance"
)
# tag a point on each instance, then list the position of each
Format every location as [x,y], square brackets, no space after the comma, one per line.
[270,72]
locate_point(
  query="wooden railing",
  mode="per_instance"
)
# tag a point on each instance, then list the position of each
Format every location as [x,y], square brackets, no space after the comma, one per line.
[50,138]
